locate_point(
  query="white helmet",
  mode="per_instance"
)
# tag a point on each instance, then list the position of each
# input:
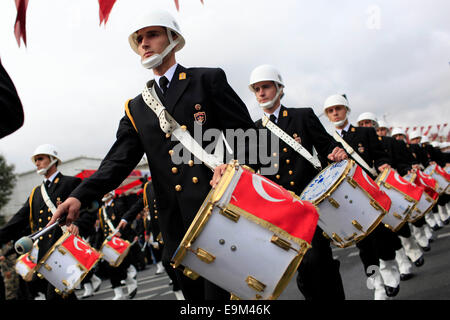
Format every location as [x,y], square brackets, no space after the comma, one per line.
[435,144]
[414,134]
[424,139]
[397,131]
[382,124]
[162,19]
[368,116]
[49,150]
[337,100]
[267,72]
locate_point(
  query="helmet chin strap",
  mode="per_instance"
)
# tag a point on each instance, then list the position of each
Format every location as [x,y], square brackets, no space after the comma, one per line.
[270,104]
[44,171]
[156,59]
[340,123]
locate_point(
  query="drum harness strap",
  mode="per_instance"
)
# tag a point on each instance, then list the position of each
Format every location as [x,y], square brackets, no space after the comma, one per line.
[170,126]
[49,203]
[313,159]
[354,154]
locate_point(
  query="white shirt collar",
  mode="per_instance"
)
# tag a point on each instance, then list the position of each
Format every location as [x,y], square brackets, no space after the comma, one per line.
[169,74]
[345,129]
[108,204]
[52,177]
[276,113]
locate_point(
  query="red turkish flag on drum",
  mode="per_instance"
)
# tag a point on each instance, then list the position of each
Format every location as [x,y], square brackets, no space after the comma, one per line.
[271,202]
[81,251]
[443,173]
[395,180]
[366,182]
[26,260]
[428,183]
[118,244]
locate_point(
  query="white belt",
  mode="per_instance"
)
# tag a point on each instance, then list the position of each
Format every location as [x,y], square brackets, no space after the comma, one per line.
[353,154]
[169,125]
[49,203]
[291,142]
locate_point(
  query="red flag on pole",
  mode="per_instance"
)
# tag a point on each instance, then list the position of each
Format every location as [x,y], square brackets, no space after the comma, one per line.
[19,25]
[105,9]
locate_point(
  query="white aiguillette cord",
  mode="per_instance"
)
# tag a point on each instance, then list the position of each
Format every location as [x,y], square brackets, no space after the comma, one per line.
[49,203]
[291,142]
[354,154]
[169,125]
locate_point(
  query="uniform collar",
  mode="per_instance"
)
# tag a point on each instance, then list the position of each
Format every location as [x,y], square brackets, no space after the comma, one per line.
[52,177]
[169,74]
[276,113]
[347,128]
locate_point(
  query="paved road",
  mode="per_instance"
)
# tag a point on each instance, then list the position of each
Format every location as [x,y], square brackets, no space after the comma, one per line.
[430,282]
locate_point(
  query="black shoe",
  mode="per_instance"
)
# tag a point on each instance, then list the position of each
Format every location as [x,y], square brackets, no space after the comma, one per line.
[427,248]
[419,262]
[446,221]
[391,292]
[436,228]
[132,294]
[405,276]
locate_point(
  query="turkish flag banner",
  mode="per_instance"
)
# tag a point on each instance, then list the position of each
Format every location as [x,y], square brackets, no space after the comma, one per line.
[118,244]
[443,173]
[105,7]
[428,183]
[82,251]
[26,260]
[398,182]
[366,182]
[270,202]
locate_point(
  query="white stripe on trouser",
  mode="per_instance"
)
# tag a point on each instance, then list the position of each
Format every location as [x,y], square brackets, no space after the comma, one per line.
[389,272]
[404,265]
[442,213]
[412,250]
[428,232]
[419,234]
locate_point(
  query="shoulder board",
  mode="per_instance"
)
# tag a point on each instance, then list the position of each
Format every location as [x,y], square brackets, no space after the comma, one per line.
[127,111]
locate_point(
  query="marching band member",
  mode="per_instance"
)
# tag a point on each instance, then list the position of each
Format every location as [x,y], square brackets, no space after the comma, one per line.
[153,235]
[376,248]
[420,228]
[192,96]
[404,240]
[10,104]
[37,210]
[318,275]
[109,216]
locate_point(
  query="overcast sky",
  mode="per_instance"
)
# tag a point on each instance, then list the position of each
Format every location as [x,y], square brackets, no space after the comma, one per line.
[389,57]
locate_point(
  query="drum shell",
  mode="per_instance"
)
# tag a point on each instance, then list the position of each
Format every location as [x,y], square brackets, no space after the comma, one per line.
[422,207]
[400,209]
[112,256]
[347,212]
[61,269]
[25,270]
[244,256]
[442,183]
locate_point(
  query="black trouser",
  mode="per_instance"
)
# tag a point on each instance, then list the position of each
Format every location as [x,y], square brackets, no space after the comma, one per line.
[381,243]
[404,231]
[117,274]
[318,276]
[53,296]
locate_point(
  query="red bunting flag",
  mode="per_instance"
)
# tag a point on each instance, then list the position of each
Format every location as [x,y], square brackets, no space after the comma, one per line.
[105,9]
[20,24]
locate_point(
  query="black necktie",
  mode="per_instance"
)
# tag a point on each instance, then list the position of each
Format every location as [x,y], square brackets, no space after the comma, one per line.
[344,133]
[273,118]
[163,83]
[47,184]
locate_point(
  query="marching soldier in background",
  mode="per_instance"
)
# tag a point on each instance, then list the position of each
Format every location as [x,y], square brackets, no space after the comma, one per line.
[377,248]
[149,205]
[192,96]
[404,244]
[318,275]
[109,216]
[37,210]
[11,280]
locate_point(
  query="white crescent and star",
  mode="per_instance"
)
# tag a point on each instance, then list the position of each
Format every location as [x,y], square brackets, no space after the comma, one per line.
[259,188]
[397,177]
[75,244]
[114,241]
[367,179]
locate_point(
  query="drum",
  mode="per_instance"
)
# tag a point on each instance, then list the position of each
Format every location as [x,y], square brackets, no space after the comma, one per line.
[115,250]
[404,197]
[67,263]
[440,175]
[427,200]
[351,204]
[248,237]
[26,263]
